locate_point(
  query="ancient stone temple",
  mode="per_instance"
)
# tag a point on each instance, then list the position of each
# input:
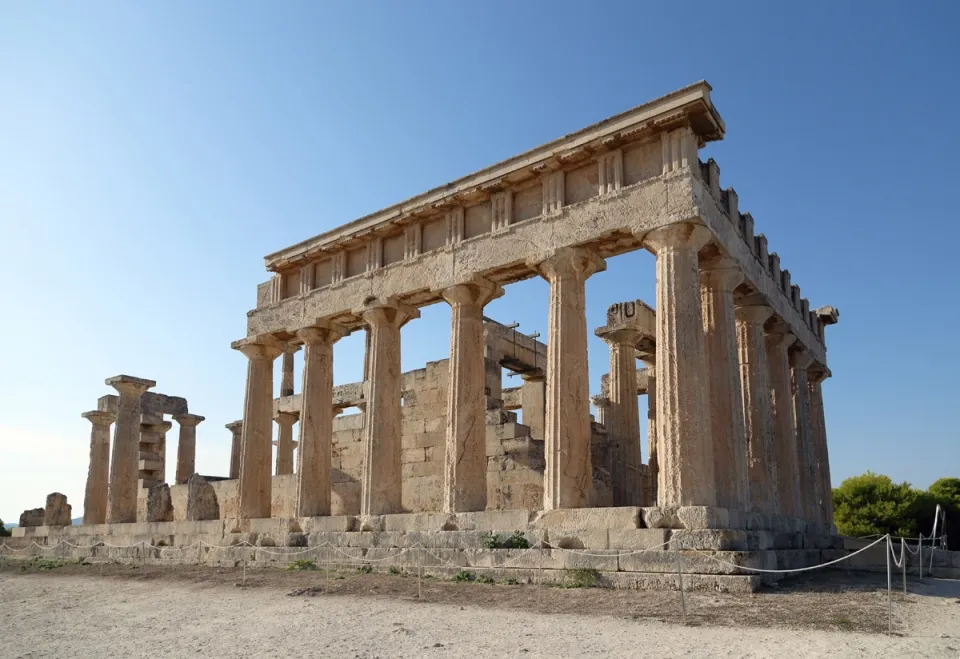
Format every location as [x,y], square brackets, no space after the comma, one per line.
[730,356]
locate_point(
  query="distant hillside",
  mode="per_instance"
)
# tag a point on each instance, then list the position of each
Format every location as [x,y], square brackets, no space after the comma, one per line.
[75,520]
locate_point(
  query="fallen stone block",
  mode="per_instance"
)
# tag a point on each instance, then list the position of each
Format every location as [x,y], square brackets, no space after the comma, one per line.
[159,504]
[201,500]
[57,512]
[32,517]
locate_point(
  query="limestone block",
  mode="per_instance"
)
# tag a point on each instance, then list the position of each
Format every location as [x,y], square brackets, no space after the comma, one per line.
[712,539]
[702,517]
[596,559]
[201,500]
[660,517]
[578,540]
[32,517]
[493,520]
[637,538]
[57,511]
[159,504]
[575,519]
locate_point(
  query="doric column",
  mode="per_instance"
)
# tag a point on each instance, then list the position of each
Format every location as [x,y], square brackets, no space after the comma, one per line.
[533,401]
[255,444]
[465,456]
[286,370]
[816,375]
[602,403]
[493,373]
[314,459]
[622,418]
[122,497]
[757,410]
[685,451]
[187,446]
[285,443]
[568,476]
[381,475]
[95,496]
[800,361]
[236,430]
[718,278]
[777,340]
[653,468]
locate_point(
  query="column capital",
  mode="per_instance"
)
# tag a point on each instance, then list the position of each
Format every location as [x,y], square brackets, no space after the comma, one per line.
[800,359]
[386,312]
[235,426]
[534,377]
[127,384]
[286,418]
[720,273]
[677,236]
[291,348]
[600,401]
[477,291]
[262,346]
[777,333]
[619,336]
[568,262]
[753,313]
[321,333]
[817,373]
[189,420]
[99,418]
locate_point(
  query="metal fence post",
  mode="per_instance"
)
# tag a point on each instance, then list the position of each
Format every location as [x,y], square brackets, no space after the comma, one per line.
[683,603]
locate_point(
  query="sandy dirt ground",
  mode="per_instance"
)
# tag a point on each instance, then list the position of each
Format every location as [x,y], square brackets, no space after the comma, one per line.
[73,611]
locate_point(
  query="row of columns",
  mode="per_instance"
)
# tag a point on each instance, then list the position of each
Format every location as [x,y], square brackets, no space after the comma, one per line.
[111,490]
[715,400]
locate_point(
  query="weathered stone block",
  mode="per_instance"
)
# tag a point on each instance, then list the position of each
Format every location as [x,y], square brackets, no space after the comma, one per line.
[32,517]
[159,504]
[703,517]
[57,511]
[637,538]
[660,517]
[712,539]
[581,519]
[201,500]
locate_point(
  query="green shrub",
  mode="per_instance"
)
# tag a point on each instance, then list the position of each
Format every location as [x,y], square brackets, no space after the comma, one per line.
[365,569]
[515,541]
[464,575]
[302,565]
[483,578]
[580,578]
[394,570]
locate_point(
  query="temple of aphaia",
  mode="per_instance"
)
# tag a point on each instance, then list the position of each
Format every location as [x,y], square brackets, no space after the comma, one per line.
[730,356]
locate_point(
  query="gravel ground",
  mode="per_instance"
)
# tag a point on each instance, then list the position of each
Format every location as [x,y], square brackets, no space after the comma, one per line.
[73,611]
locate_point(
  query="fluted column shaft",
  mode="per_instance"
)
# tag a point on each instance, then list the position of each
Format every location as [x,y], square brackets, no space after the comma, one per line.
[95,495]
[784,430]
[800,360]
[534,404]
[286,370]
[381,474]
[187,446]
[314,459]
[465,455]
[236,431]
[816,376]
[285,444]
[122,496]
[622,418]
[568,476]
[685,452]
[256,445]
[718,278]
[757,408]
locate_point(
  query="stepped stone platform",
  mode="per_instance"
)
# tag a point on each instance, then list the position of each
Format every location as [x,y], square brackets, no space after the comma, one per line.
[629,547]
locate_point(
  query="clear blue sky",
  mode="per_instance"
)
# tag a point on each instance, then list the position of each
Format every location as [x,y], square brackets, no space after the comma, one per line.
[152,153]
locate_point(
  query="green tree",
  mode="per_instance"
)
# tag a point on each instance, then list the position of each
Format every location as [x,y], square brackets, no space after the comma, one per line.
[946,488]
[4,532]
[873,504]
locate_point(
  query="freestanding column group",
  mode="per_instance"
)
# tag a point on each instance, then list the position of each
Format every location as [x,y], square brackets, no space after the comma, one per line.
[187,446]
[622,418]
[777,341]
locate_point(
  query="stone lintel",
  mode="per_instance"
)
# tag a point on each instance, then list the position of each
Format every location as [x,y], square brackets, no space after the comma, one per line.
[632,314]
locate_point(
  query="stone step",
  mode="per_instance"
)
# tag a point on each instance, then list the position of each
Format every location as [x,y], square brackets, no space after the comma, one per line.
[149,465]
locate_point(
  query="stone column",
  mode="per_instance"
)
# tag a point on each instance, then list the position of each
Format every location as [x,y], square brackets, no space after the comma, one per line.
[95,496]
[757,409]
[568,476]
[653,467]
[286,370]
[122,497]
[534,404]
[465,456]
[718,278]
[493,373]
[255,444]
[622,417]
[285,443]
[778,340]
[816,375]
[187,446]
[236,430]
[602,403]
[800,361]
[314,459]
[381,475]
[685,452]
